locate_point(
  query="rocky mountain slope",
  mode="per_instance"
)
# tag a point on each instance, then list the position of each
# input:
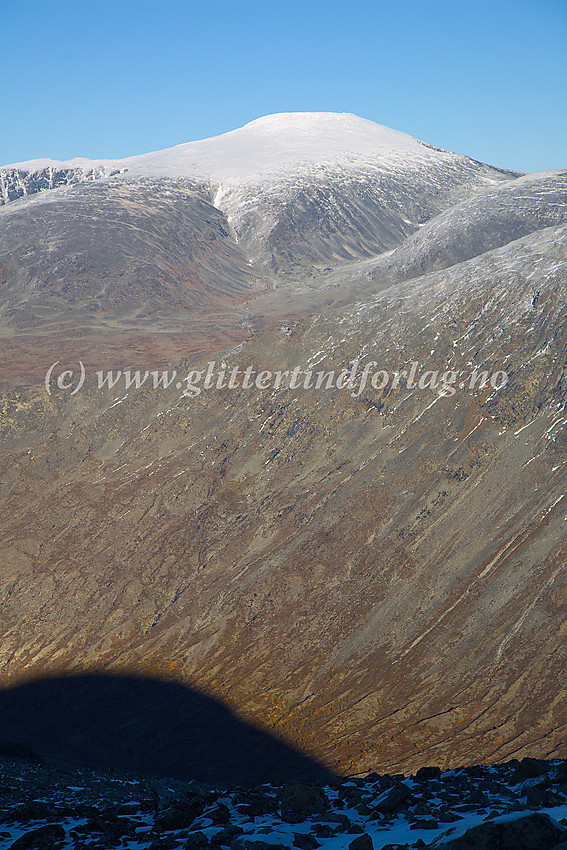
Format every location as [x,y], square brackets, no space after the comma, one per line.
[489,219]
[374,573]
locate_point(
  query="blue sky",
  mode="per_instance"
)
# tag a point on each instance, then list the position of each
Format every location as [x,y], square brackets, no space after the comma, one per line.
[112,79]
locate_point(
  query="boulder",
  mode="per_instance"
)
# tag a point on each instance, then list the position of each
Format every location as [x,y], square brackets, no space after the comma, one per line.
[255,803]
[426,773]
[43,838]
[167,843]
[300,801]
[33,810]
[529,768]
[333,817]
[196,841]
[181,813]
[362,842]
[425,823]
[538,798]
[532,832]
[391,801]
[219,815]
[227,835]
[323,830]
[305,841]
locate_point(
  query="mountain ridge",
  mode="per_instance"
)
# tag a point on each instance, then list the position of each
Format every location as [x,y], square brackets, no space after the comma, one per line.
[264,149]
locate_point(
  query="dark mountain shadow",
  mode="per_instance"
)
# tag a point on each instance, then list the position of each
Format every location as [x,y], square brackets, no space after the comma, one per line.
[147,726]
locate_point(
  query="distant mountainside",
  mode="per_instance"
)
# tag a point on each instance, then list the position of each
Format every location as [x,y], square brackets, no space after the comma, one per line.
[374,573]
[488,219]
[157,254]
[298,190]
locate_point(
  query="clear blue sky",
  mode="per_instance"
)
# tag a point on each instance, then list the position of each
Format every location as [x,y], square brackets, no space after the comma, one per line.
[111,78]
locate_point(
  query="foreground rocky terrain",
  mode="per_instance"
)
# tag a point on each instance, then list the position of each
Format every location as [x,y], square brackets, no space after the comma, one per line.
[372,573]
[514,806]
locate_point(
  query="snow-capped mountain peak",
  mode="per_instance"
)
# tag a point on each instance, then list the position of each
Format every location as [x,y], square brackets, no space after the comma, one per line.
[265,147]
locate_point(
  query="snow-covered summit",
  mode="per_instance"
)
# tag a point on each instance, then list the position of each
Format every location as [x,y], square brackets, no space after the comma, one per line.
[265,147]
